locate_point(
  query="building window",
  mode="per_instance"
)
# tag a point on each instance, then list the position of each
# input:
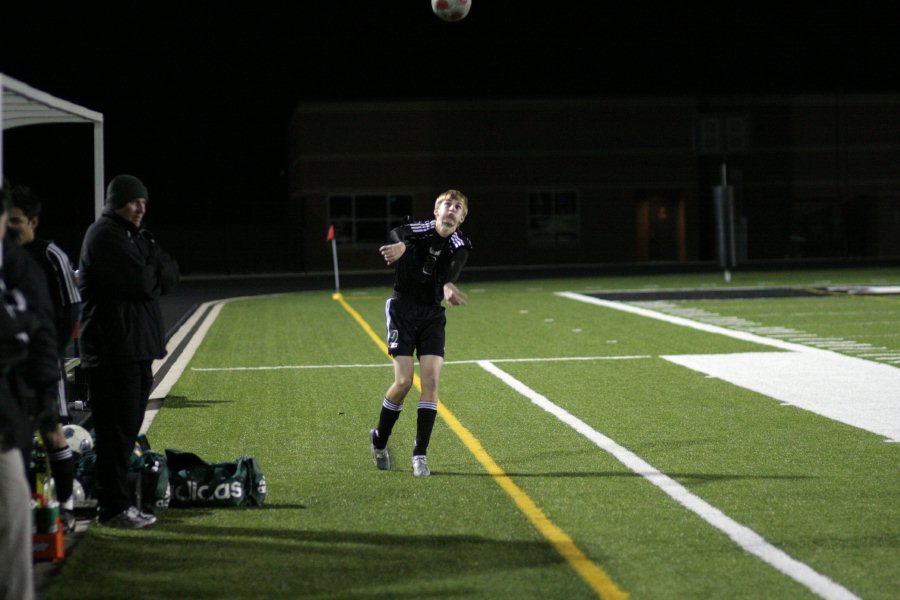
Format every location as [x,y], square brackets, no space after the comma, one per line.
[553,217]
[367,218]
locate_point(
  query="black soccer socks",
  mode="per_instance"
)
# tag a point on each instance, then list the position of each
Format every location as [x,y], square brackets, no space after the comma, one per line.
[424,424]
[390,412]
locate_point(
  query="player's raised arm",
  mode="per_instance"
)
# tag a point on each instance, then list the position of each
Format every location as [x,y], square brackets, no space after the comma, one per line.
[454,296]
[392,252]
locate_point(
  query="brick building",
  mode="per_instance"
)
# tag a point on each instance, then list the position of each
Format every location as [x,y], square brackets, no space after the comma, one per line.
[603,180]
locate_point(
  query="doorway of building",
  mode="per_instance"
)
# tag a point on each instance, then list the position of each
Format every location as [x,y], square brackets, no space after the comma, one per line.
[660,225]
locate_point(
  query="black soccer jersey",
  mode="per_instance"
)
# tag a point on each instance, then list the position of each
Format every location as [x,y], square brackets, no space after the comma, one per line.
[429,261]
[64,292]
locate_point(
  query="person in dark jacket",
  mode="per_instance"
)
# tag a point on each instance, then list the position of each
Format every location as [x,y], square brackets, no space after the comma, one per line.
[32,382]
[16,324]
[65,298]
[122,274]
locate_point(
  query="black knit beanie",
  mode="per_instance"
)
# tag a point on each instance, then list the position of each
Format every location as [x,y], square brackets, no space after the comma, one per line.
[123,189]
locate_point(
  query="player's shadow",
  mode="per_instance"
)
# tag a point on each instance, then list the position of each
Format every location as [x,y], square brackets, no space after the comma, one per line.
[177,515]
[262,557]
[184,402]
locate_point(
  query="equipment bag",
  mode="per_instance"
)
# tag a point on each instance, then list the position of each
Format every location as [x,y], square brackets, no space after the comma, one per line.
[154,487]
[196,482]
[148,474]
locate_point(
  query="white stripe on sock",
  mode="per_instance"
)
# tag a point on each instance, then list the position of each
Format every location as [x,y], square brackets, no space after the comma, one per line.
[391,406]
[61,454]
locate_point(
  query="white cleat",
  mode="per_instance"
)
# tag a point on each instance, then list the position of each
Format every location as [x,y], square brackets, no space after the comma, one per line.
[381,457]
[420,466]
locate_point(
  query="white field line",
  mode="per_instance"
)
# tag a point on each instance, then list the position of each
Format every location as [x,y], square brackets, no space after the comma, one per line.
[387,364]
[290,367]
[159,393]
[833,343]
[162,390]
[740,335]
[854,391]
[849,390]
[743,536]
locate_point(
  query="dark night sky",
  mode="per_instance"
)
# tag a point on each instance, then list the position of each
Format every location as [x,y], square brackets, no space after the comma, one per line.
[196,96]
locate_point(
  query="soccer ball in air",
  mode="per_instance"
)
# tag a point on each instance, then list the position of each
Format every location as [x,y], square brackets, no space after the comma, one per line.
[451,10]
[78,438]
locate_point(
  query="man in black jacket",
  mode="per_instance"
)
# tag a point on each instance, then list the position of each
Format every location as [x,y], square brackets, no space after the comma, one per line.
[123,272]
[65,298]
[16,326]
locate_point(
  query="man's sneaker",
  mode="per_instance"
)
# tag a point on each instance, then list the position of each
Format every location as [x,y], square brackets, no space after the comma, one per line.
[148,516]
[380,456]
[130,518]
[420,466]
[68,520]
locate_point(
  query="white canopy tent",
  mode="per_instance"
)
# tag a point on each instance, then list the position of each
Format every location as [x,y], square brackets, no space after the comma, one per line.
[22,105]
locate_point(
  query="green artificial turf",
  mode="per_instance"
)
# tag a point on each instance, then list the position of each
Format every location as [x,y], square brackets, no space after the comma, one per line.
[335,527]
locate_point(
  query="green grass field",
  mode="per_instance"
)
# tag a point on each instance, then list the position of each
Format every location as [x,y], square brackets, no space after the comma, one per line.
[523,504]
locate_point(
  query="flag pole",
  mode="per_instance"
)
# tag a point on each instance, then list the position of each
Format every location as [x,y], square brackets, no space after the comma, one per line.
[337,281]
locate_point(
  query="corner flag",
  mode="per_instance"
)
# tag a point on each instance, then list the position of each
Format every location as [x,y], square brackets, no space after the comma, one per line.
[330,238]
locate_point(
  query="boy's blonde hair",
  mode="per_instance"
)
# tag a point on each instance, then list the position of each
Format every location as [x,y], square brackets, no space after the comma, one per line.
[454,195]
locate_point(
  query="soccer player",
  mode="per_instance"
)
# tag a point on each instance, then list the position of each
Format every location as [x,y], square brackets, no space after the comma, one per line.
[66,301]
[429,256]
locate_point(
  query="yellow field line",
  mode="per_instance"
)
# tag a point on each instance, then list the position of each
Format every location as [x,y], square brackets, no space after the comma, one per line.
[591,572]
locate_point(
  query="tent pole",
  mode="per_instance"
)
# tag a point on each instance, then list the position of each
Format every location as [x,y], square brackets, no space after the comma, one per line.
[98,169]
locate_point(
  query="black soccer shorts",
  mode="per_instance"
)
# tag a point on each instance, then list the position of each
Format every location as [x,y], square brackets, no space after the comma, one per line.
[414,327]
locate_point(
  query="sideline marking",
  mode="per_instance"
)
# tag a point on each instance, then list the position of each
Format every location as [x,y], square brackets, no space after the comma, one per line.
[846,389]
[841,345]
[860,393]
[159,393]
[175,362]
[181,361]
[448,362]
[289,367]
[740,335]
[742,535]
[589,571]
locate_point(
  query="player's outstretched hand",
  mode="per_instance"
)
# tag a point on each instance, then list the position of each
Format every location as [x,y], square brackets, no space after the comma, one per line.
[392,252]
[453,296]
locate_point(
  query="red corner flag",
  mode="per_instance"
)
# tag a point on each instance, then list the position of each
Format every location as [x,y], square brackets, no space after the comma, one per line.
[330,238]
